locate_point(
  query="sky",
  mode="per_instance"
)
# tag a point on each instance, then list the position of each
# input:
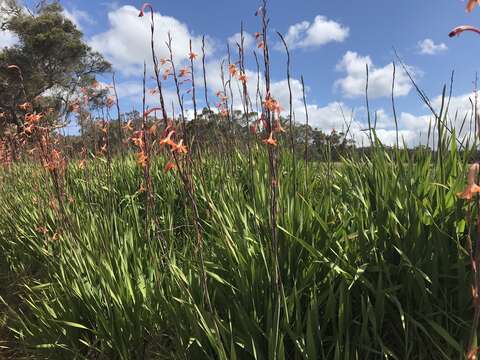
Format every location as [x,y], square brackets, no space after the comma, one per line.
[330,43]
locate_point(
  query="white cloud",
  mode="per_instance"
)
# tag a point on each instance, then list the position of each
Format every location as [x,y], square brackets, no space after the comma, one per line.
[380,79]
[428,47]
[248,41]
[7,38]
[78,17]
[126,44]
[322,31]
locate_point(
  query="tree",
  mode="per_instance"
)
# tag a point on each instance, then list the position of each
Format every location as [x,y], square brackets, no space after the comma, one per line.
[52,62]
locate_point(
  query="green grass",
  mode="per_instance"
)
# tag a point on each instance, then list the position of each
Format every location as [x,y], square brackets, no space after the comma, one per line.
[371,253]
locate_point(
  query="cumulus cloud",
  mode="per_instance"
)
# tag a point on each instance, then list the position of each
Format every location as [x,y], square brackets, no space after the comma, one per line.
[380,79]
[248,40]
[126,44]
[78,17]
[428,47]
[320,32]
[7,39]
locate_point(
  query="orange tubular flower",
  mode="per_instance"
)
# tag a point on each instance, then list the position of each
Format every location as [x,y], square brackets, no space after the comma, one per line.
[192,56]
[29,129]
[142,159]
[180,148]
[167,140]
[183,72]
[110,101]
[257,35]
[128,126]
[166,73]
[242,77]
[232,69]
[472,188]
[270,140]
[33,118]
[472,4]
[169,166]
[460,29]
[25,106]
[261,45]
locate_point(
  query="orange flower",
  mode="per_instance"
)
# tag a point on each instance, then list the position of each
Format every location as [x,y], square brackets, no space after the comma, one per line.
[110,101]
[166,73]
[169,166]
[153,91]
[458,30]
[142,159]
[137,139]
[472,4]
[25,106]
[128,126]
[270,140]
[192,56]
[242,77]
[472,188]
[33,118]
[261,45]
[163,61]
[232,69]
[29,129]
[271,104]
[167,140]
[183,72]
[257,35]
[180,148]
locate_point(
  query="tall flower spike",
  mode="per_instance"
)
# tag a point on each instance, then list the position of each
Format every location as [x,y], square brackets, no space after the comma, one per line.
[460,29]
[144,7]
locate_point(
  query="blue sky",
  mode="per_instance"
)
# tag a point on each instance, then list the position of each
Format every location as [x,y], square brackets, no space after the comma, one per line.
[330,43]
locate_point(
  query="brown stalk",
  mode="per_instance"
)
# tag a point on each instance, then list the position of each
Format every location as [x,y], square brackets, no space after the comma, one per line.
[156,67]
[205,75]
[272,156]
[290,116]
[119,121]
[177,87]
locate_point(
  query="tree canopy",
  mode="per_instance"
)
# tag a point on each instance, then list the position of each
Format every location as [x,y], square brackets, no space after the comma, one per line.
[51,61]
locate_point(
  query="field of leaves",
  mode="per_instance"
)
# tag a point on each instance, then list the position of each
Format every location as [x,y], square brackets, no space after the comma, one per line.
[372,260]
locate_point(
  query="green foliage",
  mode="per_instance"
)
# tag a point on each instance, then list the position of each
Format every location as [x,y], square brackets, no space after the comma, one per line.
[53,59]
[371,254]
